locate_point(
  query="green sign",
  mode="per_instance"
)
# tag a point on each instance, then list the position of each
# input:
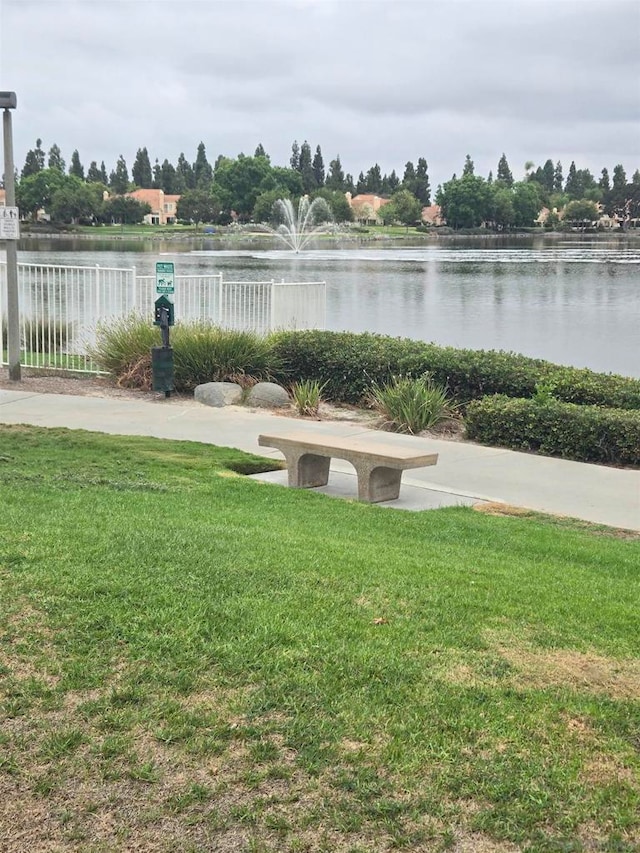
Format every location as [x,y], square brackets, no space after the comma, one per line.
[165,273]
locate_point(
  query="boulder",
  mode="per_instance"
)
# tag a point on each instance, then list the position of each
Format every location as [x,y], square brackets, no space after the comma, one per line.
[218,394]
[268,395]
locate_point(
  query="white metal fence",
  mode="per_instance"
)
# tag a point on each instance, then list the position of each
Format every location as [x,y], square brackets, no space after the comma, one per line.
[61,308]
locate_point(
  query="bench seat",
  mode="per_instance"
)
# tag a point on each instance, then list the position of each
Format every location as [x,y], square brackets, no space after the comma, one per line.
[379,463]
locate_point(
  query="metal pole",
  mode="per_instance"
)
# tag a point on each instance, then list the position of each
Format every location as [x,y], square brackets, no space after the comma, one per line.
[13,304]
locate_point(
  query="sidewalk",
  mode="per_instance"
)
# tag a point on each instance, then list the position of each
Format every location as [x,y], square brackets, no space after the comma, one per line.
[465,473]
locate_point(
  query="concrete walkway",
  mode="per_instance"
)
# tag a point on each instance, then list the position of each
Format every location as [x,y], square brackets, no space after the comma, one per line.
[465,473]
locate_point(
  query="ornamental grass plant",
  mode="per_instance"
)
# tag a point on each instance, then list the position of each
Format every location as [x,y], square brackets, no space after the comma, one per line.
[412,405]
[307,396]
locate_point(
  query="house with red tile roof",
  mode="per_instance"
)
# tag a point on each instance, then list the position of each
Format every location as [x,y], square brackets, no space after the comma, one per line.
[365,207]
[164,207]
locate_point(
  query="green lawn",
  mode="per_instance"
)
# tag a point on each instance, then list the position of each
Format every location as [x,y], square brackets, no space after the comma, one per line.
[194,661]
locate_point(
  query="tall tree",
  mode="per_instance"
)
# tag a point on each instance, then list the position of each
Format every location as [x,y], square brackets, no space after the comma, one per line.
[34,161]
[141,169]
[94,175]
[55,160]
[504,172]
[76,168]
[619,177]
[306,168]
[409,177]
[260,152]
[294,160]
[185,179]
[103,174]
[202,171]
[119,178]
[157,175]
[335,176]
[468,168]
[571,185]
[318,168]
[168,177]
[422,189]
[604,182]
[548,172]
[373,180]
[558,180]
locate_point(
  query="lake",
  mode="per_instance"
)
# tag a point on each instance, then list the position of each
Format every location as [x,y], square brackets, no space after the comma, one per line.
[572,299]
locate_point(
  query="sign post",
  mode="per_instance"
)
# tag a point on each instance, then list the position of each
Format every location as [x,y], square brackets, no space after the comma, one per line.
[162,357]
[10,232]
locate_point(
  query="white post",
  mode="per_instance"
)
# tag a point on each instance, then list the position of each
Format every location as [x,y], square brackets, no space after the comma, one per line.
[13,301]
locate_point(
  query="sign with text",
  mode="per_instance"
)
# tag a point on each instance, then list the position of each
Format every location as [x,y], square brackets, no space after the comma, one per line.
[9,223]
[165,273]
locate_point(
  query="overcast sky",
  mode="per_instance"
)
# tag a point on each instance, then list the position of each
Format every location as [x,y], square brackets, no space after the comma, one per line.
[374,81]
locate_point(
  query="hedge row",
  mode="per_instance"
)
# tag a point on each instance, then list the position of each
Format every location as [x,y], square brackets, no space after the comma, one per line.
[553,428]
[351,363]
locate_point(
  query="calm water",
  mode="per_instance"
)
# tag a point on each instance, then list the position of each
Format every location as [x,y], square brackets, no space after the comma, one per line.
[572,301]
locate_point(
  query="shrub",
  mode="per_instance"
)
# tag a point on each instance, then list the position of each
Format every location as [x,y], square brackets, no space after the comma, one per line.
[554,428]
[123,345]
[201,353]
[351,364]
[307,396]
[412,405]
[206,353]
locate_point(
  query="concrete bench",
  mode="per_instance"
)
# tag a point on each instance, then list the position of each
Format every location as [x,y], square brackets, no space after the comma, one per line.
[379,464]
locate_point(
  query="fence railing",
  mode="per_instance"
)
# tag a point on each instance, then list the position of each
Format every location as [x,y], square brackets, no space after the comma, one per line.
[62,306]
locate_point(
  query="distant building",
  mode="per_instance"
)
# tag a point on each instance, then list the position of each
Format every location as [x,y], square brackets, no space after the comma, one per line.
[365,207]
[164,207]
[3,198]
[432,215]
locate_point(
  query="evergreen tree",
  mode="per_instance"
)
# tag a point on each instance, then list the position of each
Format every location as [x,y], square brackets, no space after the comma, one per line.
[55,160]
[571,185]
[94,175]
[349,186]
[185,179]
[104,179]
[76,168]
[604,182]
[318,168]
[361,186]
[619,178]
[335,177]
[374,180]
[635,180]
[547,176]
[157,175]
[119,178]
[390,183]
[504,172]
[558,180]
[468,168]
[141,169]
[260,152]
[294,160]
[306,168]
[422,190]
[409,177]
[168,178]
[202,171]
[34,161]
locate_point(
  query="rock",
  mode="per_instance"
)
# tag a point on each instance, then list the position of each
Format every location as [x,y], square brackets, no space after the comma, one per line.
[218,394]
[268,395]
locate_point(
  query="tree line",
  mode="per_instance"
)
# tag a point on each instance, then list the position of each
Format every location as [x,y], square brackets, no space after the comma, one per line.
[246,187]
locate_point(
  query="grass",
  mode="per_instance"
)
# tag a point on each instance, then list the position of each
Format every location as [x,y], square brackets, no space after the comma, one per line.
[190,660]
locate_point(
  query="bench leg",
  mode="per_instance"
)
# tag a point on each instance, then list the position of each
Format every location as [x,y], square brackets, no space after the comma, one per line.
[307,471]
[379,484]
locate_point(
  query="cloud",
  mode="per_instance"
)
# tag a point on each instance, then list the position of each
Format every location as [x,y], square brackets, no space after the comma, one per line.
[371,81]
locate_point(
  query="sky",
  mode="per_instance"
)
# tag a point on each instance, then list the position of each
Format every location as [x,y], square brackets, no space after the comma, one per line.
[370,81]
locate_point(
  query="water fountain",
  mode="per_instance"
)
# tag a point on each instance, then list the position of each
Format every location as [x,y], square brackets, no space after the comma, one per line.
[296,229]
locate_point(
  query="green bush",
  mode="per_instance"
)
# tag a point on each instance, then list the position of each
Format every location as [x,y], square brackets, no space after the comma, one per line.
[412,405]
[351,364]
[554,428]
[201,352]
[206,353]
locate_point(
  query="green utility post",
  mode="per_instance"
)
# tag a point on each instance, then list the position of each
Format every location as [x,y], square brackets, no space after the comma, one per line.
[162,357]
